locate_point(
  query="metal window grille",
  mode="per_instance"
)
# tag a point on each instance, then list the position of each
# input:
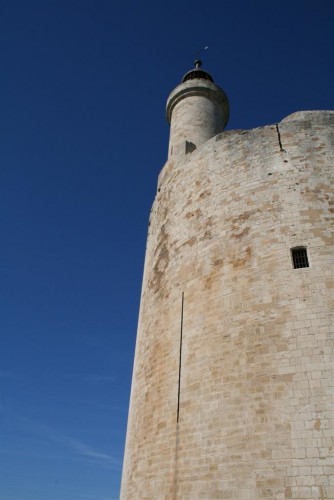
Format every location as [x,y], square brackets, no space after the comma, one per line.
[299,257]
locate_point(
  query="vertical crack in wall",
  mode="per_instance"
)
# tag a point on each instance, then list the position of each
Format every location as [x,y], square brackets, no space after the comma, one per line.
[180,361]
[177,438]
[279,139]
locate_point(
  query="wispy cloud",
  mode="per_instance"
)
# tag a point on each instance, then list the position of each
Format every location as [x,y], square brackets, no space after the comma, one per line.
[108,407]
[7,374]
[77,447]
[96,378]
[90,340]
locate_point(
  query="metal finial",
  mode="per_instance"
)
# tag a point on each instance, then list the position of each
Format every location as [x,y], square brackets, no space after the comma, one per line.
[198,63]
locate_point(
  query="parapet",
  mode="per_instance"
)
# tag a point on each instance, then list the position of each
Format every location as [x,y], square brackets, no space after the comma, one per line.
[319,117]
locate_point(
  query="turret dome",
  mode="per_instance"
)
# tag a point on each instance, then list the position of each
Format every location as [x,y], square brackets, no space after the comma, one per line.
[197,72]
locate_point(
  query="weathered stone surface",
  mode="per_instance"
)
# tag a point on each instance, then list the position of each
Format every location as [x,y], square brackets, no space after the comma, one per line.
[256,389]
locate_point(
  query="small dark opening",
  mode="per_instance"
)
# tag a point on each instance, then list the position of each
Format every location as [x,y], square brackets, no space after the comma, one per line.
[190,147]
[299,257]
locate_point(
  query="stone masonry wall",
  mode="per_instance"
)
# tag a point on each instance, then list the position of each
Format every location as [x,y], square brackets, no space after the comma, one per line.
[256,387]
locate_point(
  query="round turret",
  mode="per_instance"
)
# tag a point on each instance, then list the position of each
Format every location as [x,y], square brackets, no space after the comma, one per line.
[197,110]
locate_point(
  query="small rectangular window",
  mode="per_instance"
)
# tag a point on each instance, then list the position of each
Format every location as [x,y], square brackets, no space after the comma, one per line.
[299,257]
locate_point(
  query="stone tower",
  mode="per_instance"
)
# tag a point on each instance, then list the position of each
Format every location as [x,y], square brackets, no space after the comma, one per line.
[232,390]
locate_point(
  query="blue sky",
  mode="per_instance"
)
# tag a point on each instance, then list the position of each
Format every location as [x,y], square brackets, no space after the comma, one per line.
[83,137]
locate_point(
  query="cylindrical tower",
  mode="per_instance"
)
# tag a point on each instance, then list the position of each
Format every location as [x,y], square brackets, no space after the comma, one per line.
[232,390]
[196,110]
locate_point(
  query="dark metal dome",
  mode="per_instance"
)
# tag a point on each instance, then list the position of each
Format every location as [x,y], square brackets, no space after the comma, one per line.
[197,72]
